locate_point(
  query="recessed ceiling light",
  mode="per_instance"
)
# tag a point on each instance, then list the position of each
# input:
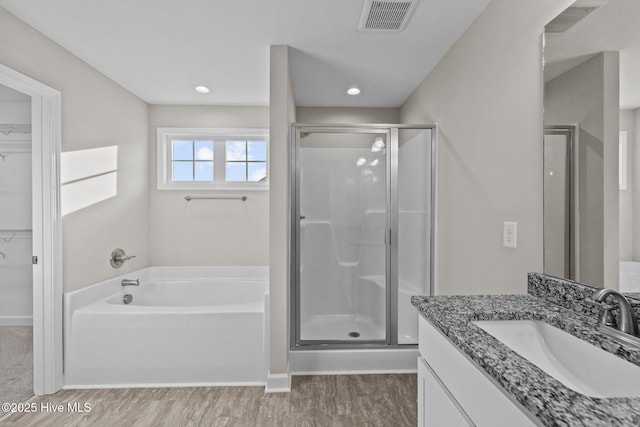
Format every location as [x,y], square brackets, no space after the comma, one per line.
[378,145]
[353,91]
[202,89]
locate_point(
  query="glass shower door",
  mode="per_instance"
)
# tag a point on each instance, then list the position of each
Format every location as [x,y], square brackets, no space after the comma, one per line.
[343,204]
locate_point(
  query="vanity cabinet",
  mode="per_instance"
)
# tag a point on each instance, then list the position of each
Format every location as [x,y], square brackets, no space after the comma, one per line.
[452,391]
[435,398]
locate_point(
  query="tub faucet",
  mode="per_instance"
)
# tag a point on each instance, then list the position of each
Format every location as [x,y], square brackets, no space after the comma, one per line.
[130,282]
[626,322]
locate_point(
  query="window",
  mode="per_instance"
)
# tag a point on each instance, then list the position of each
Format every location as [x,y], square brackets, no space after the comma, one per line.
[216,159]
[191,160]
[246,161]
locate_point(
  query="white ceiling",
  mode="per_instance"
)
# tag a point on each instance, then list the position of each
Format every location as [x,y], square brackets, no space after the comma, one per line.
[613,27]
[161,49]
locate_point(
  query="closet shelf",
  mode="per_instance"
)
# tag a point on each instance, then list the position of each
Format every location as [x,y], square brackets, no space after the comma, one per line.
[8,128]
[9,234]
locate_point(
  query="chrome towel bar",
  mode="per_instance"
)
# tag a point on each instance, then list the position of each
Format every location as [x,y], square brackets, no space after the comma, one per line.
[190,198]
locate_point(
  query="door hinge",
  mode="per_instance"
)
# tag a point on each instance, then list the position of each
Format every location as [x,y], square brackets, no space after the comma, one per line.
[34,260]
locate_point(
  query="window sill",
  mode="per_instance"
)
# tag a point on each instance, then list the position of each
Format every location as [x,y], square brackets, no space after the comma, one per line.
[241,186]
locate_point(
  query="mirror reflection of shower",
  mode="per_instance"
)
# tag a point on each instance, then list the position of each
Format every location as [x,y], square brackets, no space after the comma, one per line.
[559,191]
[590,71]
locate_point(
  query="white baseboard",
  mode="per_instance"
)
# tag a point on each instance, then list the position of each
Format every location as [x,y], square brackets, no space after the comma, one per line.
[348,362]
[278,383]
[16,321]
[161,385]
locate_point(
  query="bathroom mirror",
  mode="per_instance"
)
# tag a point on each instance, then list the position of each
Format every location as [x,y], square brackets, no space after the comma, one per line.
[592,123]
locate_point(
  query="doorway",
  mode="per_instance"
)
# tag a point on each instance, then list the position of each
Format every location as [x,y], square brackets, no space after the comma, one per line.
[46,234]
[16,278]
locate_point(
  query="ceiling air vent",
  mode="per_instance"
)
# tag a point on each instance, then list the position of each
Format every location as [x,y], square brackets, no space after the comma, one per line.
[387,15]
[567,19]
[572,15]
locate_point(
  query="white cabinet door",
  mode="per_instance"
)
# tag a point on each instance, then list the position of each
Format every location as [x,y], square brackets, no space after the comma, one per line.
[436,406]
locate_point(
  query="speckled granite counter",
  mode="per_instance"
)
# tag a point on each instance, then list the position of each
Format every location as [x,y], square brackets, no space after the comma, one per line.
[556,302]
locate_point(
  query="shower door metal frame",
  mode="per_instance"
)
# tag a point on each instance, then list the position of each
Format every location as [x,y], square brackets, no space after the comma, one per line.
[572,247]
[391,232]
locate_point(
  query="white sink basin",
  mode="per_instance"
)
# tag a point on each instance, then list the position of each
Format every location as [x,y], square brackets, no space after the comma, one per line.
[581,366]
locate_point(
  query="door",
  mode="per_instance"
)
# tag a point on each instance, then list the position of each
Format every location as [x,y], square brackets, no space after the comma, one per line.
[343,234]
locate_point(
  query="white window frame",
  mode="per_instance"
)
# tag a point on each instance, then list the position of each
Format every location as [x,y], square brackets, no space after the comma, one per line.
[163,157]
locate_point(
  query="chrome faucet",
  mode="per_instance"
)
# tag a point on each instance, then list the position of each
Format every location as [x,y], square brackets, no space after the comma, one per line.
[130,282]
[626,321]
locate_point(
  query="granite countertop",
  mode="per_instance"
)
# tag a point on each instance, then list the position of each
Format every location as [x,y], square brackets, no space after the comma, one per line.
[551,402]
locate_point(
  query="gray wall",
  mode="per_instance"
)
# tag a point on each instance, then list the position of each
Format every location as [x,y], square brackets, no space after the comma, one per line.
[96,112]
[206,232]
[587,95]
[486,96]
[282,115]
[337,115]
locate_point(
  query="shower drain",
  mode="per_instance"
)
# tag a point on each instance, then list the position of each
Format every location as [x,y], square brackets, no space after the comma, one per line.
[354,334]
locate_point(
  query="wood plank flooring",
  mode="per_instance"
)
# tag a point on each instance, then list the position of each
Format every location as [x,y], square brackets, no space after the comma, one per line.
[16,363]
[332,400]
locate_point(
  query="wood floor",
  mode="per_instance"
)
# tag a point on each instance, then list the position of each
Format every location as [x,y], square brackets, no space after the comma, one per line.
[347,400]
[16,363]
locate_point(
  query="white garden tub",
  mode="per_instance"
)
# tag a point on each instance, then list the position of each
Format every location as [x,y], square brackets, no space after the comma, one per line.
[184,326]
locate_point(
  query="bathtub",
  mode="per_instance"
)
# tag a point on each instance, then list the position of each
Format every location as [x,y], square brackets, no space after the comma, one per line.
[185,326]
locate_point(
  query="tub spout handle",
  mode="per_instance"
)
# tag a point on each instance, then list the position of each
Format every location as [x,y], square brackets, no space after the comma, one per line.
[118,257]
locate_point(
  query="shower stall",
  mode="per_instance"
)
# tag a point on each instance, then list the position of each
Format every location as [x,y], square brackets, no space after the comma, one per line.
[362,233]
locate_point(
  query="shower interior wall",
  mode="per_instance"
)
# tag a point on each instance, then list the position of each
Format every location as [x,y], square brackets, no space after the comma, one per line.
[349,255]
[336,256]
